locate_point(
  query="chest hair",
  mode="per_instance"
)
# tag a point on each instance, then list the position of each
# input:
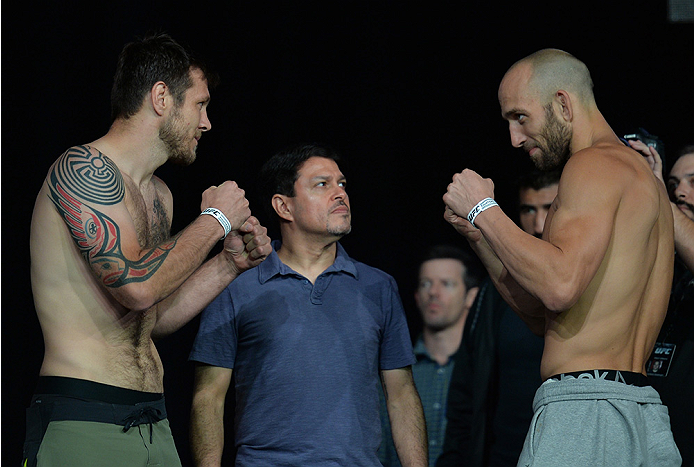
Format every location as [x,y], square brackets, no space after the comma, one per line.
[149,215]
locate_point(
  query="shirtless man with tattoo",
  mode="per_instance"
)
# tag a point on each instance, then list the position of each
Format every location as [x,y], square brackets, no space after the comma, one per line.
[107,276]
[596,284]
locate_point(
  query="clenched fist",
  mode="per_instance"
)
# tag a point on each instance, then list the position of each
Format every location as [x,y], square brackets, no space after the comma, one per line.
[248,246]
[466,190]
[230,199]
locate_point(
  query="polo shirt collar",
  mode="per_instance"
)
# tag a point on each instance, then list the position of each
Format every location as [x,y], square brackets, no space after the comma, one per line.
[273,266]
[421,352]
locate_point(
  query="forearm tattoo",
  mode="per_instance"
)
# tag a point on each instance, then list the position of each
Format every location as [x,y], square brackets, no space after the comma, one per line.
[81,177]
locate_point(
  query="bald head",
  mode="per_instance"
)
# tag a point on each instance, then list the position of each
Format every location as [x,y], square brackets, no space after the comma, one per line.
[549,70]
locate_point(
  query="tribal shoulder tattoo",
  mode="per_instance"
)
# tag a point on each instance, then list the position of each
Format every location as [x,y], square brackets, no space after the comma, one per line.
[81,179]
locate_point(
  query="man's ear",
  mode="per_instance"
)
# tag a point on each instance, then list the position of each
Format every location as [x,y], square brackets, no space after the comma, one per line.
[471,296]
[283,207]
[160,97]
[563,100]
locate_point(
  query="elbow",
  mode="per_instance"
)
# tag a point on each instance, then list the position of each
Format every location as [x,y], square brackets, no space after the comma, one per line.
[136,296]
[560,297]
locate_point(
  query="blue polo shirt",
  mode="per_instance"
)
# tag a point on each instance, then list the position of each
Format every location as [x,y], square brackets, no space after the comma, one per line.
[306,359]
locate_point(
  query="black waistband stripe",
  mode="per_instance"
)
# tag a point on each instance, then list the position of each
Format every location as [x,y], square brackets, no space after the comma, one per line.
[93,391]
[619,376]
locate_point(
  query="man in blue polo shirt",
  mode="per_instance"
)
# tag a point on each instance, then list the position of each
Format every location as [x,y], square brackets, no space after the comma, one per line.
[306,336]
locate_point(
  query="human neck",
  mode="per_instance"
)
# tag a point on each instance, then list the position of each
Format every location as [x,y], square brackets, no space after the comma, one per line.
[309,259]
[134,147]
[592,129]
[443,343]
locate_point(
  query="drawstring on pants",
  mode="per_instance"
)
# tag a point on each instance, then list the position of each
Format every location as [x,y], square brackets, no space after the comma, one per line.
[143,415]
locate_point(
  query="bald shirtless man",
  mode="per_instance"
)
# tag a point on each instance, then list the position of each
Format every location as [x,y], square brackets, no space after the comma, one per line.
[595,286]
[108,278]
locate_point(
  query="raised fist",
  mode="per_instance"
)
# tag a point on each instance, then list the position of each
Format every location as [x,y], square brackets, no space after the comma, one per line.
[231,200]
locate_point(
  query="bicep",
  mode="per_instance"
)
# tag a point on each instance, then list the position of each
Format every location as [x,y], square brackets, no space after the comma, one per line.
[212,380]
[581,226]
[88,191]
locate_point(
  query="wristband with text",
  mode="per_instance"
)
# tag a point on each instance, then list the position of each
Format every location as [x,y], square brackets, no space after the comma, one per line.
[483,205]
[219,215]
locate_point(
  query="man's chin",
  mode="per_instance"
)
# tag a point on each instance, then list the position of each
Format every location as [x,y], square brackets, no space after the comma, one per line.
[436,326]
[183,160]
[538,158]
[340,232]
[547,164]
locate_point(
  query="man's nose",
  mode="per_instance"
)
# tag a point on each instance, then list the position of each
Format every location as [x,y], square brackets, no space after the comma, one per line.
[434,289]
[682,189]
[517,136]
[205,124]
[340,193]
[540,221]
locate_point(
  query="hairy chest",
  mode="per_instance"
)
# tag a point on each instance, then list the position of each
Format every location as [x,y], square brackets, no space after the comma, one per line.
[149,212]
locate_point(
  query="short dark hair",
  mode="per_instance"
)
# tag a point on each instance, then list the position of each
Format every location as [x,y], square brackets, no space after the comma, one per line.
[473,274]
[538,179]
[688,149]
[146,60]
[279,174]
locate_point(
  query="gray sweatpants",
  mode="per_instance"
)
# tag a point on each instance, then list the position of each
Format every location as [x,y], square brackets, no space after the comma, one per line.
[589,422]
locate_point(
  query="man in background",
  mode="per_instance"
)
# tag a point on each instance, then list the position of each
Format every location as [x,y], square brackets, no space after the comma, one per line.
[670,368]
[448,283]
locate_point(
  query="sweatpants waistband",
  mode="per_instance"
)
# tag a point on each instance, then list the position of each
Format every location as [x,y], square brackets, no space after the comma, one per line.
[574,389]
[626,377]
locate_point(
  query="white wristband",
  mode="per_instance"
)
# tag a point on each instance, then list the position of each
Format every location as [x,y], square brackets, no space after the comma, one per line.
[219,215]
[483,205]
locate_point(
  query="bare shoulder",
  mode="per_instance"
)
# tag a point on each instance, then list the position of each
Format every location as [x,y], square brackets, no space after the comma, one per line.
[606,160]
[85,173]
[608,168]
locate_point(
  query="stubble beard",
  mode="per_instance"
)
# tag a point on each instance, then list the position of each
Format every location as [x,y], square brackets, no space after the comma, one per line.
[339,231]
[440,323]
[174,139]
[556,149]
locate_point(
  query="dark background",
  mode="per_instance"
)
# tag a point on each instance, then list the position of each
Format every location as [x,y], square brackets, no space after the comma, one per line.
[405,90]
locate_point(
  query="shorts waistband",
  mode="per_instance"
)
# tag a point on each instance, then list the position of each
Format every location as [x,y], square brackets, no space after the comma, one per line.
[91,390]
[619,376]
